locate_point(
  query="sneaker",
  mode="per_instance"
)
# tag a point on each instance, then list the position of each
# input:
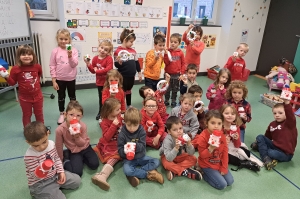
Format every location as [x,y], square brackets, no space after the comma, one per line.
[170,175]
[167,103]
[155,176]
[134,181]
[98,116]
[269,163]
[173,104]
[194,174]
[61,118]
[254,146]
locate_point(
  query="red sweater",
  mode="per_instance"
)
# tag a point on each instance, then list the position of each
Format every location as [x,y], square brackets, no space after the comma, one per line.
[192,55]
[120,96]
[236,68]
[159,127]
[284,134]
[177,65]
[28,78]
[218,159]
[237,143]
[162,110]
[216,102]
[103,65]
[247,108]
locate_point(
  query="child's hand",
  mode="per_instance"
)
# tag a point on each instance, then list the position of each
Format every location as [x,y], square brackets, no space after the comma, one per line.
[286,101]
[244,116]
[184,80]
[233,58]
[76,136]
[86,62]
[191,26]
[235,136]
[189,143]
[227,139]
[166,49]
[95,69]
[119,60]
[61,178]
[192,42]
[177,144]
[116,121]
[167,77]
[156,140]
[69,53]
[222,173]
[140,76]
[211,148]
[55,86]
[221,87]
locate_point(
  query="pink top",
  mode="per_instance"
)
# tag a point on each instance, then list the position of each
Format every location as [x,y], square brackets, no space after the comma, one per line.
[61,66]
[63,137]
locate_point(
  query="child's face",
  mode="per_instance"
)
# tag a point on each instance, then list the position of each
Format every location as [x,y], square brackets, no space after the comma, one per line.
[176,130]
[214,124]
[197,36]
[242,50]
[237,94]
[103,50]
[148,92]
[62,40]
[229,115]
[159,47]
[129,43]
[150,107]
[73,114]
[40,145]
[26,59]
[198,96]
[279,114]
[187,105]
[191,74]
[111,79]
[116,111]
[132,127]
[174,43]
[223,78]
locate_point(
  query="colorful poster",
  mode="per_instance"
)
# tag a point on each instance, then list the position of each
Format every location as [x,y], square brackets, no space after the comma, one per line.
[143,38]
[77,35]
[139,2]
[93,8]
[104,36]
[244,35]
[209,40]
[127,2]
[159,30]
[79,8]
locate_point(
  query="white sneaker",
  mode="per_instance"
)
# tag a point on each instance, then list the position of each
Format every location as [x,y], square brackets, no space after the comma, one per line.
[61,118]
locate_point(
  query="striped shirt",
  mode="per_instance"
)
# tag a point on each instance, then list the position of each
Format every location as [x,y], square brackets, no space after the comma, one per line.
[33,159]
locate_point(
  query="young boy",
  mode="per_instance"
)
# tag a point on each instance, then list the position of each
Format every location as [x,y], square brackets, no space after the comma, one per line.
[280,139]
[146,91]
[45,182]
[175,68]
[154,60]
[190,79]
[177,158]
[236,64]
[141,166]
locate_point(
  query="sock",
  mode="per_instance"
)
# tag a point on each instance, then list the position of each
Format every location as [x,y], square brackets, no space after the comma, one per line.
[184,173]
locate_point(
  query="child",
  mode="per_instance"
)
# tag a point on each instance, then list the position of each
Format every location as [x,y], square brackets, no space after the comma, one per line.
[154,60]
[174,68]
[145,91]
[114,76]
[280,139]
[27,74]
[238,153]
[236,94]
[212,160]
[63,63]
[177,158]
[107,148]
[101,64]
[195,47]
[236,64]
[152,123]
[190,79]
[185,112]
[216,91]
[48,183]
[78,146]
[128,66]
[141,166]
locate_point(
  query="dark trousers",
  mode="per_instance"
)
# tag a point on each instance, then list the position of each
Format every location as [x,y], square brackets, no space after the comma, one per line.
[151,83]
[174,87]
[100,88]
[127,86]
[63,85]
[87,156]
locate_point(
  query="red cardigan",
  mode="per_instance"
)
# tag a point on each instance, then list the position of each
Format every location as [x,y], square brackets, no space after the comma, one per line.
[159,127]
[120,96]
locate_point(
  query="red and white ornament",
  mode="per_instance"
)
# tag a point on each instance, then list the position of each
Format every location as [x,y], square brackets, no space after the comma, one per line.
[74,127]
[113,87]
[214,138]
[129,150]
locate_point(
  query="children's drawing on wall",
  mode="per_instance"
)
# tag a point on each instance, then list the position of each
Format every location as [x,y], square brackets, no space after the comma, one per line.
[127,2]
[142,38]
[104,36]
[139,2]
[244,35]
[209,40]
[159,30]
[77,34]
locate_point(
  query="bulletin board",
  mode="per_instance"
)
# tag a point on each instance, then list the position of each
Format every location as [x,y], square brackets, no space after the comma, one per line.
[92,21]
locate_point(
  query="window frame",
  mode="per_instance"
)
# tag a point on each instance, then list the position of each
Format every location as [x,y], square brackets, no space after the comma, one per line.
[50,13]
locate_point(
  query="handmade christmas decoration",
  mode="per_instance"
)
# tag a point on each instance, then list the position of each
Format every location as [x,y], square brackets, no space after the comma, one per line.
[162,85]
[129,150]
[241,111]
[74,127]
[87,57]
[286,93]
[42,170]
[233,130]
[158,53]
[213,92]
[235,54]
[184,139]
[124,55]
[69,46]
[191,36]
[214,138]
[3,72]
[169,56]
[198,105]
[150,126]
[114,87]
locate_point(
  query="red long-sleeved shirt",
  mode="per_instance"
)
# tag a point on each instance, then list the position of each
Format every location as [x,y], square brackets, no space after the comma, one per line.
[284,134]
[103,66]
[120,96]
[192,55]
[237,143]
[236,68]
[177,65]
[215,102]
[159,127]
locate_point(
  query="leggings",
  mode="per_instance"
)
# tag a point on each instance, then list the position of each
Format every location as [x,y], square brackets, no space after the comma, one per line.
[127,86]
[63,85]
[100,88]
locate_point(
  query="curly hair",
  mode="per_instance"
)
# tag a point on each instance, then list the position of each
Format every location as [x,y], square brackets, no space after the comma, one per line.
[236,84]
[238,121]
[113,73]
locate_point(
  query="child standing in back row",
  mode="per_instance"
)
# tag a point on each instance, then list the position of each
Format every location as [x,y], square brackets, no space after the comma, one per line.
[63,63]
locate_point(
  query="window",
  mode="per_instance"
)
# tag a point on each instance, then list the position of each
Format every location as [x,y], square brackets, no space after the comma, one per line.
[44,9]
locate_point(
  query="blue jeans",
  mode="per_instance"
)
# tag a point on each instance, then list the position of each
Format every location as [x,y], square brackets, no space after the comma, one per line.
[216,180]
[242,135]
[139,167]
[266,148]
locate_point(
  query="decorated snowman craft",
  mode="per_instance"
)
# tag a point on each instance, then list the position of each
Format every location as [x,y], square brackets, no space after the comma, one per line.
[87,57]
[198,105]
[213,92]
[235,54]
[124,55]
[3,72]
[42,170]
[150,126]
[158,53]
[286,93]
[113,87]
[184,139]
[162,85]
[191,36]
[241,111]
[233,130]
[214,138]
[129,150]
[74,127]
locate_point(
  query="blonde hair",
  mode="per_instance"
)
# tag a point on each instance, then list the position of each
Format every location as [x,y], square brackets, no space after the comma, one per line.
[64,32]
[108,107]
[243,45]
[188,96]
[107,43]
[132,116]
[25,50]
[113,73]
[236,84]
[238,121]
[148,99]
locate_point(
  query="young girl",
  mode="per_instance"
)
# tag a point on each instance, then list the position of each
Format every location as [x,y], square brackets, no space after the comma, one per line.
[186,114]
[101,64]
[126,62]
[212,160]
[216,91]
[236,94]
[78,146]
[107,149]
[152,123]
[63,62]
[114,76]
[27,74]
[238,153]
[195,47]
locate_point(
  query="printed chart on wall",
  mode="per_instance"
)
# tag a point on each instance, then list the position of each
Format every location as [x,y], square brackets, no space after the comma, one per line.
[244,35]
[77,35]
[209,40]
[141,38]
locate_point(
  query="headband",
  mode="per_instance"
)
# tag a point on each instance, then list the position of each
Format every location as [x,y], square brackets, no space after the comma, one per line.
[128,35]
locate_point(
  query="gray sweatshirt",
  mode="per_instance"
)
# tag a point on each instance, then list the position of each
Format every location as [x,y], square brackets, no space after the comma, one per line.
[189,122]
[168,148]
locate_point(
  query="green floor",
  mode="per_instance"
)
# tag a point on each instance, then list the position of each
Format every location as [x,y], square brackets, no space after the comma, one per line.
[284,182]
